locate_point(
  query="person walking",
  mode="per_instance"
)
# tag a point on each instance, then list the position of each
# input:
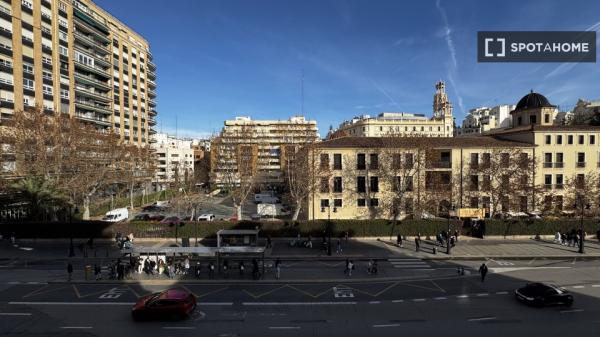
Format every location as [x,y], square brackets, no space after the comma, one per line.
[347,266]
[269,243]
[483,270]
[97,271]
[350,267]
[417,243]
[226,268]
[211,270]
[120,270]
[278,268]
[399,240]
[241,267]
[70,271]
[198,269]
[339,246]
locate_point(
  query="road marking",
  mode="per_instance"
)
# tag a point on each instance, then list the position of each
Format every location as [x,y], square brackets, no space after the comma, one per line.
[386,325]
[578,287]
[482,294]
[342,292]
[179,327]
[113,293]
[295,303]
[418,300]
[595,285]
[462,296]
[216,303]
[284,327]
[476,319]
[75,327]
[502,293]
[571,310]
[374,302]
[397,301]
[441,298]
[71,303]
[15,314]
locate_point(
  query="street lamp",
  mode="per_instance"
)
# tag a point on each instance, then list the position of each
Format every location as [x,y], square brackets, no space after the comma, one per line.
[450,208]
[580,203]
[329,225]
[71,247]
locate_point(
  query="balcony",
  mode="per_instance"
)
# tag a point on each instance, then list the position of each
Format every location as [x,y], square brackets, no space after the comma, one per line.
[559,165]
[90,42]
[151,94]
[442,164]
[93,118]
[84,104]
[580,164]
[96,95]
[90,22]
[548,186]
[152,112]
[94,69]
[558,186]
[151,84]
[151,65]
[548,165]
[91,81]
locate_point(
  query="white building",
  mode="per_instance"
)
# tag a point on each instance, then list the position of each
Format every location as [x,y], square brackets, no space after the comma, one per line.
[583,112]
[175,160]
[483,119]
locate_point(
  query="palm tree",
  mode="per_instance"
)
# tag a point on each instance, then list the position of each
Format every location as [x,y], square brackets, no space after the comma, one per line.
[41,194]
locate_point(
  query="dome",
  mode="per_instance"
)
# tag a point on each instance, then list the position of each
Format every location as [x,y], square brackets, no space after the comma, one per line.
[533,100]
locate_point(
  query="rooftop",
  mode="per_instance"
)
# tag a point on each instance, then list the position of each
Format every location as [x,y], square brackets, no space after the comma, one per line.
[414,142]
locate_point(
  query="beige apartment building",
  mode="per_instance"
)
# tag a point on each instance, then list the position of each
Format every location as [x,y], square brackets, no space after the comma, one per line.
[75,58]
[441,124]
[259,146]
[534,166]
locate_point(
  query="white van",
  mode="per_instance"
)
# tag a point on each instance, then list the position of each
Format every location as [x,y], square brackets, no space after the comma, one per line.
[116,215]
[266,198]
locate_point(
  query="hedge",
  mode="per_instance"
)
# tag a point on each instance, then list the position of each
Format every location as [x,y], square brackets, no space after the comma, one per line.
[361,228]
[100,208]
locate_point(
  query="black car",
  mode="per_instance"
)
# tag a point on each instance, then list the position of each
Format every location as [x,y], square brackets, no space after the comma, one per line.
[541,294]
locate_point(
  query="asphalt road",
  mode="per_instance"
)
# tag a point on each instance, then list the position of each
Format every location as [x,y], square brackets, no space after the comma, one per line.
[440,306]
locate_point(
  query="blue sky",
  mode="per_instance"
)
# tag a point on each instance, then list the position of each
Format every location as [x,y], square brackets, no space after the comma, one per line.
[220,59]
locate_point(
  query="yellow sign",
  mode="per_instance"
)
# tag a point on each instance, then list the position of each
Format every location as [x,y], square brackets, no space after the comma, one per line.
[471,213]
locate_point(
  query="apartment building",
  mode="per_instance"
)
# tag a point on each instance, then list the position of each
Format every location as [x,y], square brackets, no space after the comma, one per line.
[534,166]
[484,119]
[441,124]
[174,161]
[75,58]
[260,146]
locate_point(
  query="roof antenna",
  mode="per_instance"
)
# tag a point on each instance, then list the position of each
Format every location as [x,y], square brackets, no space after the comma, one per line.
[302,92]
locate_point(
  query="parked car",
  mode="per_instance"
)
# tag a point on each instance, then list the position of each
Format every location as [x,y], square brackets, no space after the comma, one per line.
[142,217]
[116,215]
[206,217]
[156,217]
[172,303]
[172,220]
[542,294]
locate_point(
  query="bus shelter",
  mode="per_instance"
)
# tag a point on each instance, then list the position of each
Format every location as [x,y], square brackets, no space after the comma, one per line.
[237,237]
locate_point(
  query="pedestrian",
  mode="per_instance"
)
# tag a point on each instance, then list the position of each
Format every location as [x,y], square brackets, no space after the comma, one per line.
[152,267]
[198,269]
[269,244]
[211,270]
[226,268]
[417,243]
[69,271]
[170,271]
[346,235]
[456,235]
[241,267]
[97,271]
[399,240]
[120,270]
[347,265]
[13,238]
[350,268]
[339,246]
[186,265]
[483,269]
[278,268]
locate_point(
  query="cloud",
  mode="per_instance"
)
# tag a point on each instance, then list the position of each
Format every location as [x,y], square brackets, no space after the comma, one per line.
[452,67]
[385,93]
[405,41]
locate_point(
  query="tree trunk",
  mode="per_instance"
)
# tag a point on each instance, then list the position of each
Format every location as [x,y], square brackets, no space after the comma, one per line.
[297,211]
[86,208]
[239,212]
[131,197]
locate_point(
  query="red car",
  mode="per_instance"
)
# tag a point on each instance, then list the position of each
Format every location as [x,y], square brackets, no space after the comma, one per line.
[170,304]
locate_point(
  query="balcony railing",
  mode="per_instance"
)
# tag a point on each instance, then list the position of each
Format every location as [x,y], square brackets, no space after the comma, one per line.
[580,164]
[94,68]
[91,42]
[559,164]
[558,186]
[92,80]
[547,164]
[548,186]
[440,164]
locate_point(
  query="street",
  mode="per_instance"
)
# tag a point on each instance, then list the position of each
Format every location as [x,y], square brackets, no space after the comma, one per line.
[441,303]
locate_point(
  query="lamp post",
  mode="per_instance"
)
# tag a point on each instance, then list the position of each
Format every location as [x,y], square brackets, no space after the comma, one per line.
[580,203]
[448,235]
[71,247]
[328,227]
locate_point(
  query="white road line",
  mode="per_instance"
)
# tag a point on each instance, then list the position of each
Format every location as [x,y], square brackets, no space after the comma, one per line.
[441,298]
[71,303]
[179,327]
[418,300]
[284,327]
[216,303]
[374,302]
[480,319]
[15,314]
[462,296]
[76,327]
[571,310]
[295,303]
[397,301]
[578,287]
[482,294]
[385,325]
[595,285]
[502,293]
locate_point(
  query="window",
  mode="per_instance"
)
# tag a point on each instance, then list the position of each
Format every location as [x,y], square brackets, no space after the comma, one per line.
[581,140]
[559,159]
[592,139]
[474,183]
[361,202]
[28,84]
[324,161]
[337,184]
[408,161]
[580,159]
[548,140]
[63,23]
[337,161]
[361,184]
[474,202]
[546,118]
[324,203]
[486,160]
[559,139]
[474,160]
[324,185]
[337,202]
[533,119]
[487,182]
[570,139]
[63,36]
[580,181]
[361,161]
[83,58]
[396,161]
[48,60]
[548,180]
[548,159]
[397,183]
[559,181]
[47,89]
[374,161]
[374,202]
[409,183]
[63,50]
[27,4]
[64,93]
[409,205]
[28,68]
[62,6]
[374,184]
[47,75]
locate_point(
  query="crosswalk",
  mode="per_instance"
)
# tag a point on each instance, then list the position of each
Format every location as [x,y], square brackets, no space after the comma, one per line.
[409,263]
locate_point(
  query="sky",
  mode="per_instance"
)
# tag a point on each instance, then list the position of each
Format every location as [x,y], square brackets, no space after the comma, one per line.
[220,59]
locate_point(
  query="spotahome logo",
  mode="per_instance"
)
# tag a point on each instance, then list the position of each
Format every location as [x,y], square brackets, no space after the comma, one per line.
[536,46]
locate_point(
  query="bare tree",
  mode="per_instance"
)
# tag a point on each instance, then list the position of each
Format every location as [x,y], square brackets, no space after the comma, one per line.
[582,190]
